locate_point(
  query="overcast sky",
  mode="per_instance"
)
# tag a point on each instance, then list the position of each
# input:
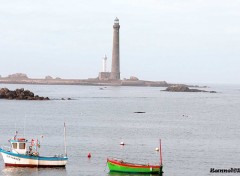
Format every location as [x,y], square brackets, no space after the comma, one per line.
[188,41]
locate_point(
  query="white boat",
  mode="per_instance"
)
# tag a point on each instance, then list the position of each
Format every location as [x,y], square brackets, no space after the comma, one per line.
[23,154]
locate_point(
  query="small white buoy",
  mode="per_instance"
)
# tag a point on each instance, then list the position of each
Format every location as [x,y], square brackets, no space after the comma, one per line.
[122,143]
[157,149]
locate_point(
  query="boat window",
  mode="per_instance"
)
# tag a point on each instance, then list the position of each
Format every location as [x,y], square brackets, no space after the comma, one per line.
[22,145]
[14,145]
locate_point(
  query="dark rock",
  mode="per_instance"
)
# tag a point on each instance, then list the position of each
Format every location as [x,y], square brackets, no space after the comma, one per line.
[3,92]
[19,94]
[177,88]
[28,93]
[11,94]
[28,97]
[184,88]
[41,98]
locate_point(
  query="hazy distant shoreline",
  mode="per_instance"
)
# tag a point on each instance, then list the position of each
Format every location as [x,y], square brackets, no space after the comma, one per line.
[21,78]
[93,82]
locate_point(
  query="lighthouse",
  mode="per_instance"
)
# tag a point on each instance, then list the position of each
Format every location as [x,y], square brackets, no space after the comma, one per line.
[104,69]
[115,71]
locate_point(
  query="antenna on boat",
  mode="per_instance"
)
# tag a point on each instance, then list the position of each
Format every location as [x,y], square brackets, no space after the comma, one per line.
[65,143]
[15,125]
[24,126]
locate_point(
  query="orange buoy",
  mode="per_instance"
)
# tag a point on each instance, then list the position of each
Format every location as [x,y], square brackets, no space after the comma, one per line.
[89,155]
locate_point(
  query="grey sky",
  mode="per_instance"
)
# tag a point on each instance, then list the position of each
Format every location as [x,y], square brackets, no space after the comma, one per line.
[188,41]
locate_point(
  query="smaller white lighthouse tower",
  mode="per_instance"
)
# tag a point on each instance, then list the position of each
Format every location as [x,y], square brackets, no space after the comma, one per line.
[104,63]
[104,75]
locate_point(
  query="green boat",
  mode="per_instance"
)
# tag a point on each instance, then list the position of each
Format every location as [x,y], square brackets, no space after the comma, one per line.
[116,165]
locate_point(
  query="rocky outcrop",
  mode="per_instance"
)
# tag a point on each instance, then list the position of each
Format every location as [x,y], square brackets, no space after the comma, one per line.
[134,78]
[48,77]
[184,88]
[18,76]
[19,94]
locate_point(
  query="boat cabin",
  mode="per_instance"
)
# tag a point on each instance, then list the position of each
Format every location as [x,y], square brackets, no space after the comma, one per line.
[19,145]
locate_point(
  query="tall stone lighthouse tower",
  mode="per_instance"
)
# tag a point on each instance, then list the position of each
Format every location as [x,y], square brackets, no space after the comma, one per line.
[115,72]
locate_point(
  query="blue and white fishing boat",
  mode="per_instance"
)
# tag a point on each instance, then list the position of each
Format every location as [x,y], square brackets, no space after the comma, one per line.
[22,153]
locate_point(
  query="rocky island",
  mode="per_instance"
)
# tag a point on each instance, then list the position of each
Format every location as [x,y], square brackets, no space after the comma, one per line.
[184,88]
[19,94]
[22,78]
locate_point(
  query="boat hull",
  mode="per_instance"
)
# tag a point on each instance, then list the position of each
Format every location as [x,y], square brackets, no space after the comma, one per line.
[119,166]
[20,160]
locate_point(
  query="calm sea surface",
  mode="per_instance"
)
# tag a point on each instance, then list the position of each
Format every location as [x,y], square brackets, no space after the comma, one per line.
[199,131]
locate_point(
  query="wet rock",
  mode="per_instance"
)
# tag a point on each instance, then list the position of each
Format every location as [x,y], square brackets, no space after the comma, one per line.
[184,88]
[177,88]
[19,94]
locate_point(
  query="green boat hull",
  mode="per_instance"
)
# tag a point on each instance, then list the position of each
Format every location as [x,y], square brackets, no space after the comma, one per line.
[128,169]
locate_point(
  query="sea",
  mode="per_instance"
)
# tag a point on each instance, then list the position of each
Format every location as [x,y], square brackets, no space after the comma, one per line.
[199,131]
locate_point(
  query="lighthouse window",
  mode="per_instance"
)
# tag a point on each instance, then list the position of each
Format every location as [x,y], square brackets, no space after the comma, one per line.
[14,145]
[21,145]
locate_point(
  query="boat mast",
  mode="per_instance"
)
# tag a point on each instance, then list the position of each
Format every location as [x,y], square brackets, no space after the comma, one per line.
[160,152]
[161,166]
[65,143]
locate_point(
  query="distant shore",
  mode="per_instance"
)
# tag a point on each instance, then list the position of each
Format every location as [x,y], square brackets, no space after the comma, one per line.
[93,82]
